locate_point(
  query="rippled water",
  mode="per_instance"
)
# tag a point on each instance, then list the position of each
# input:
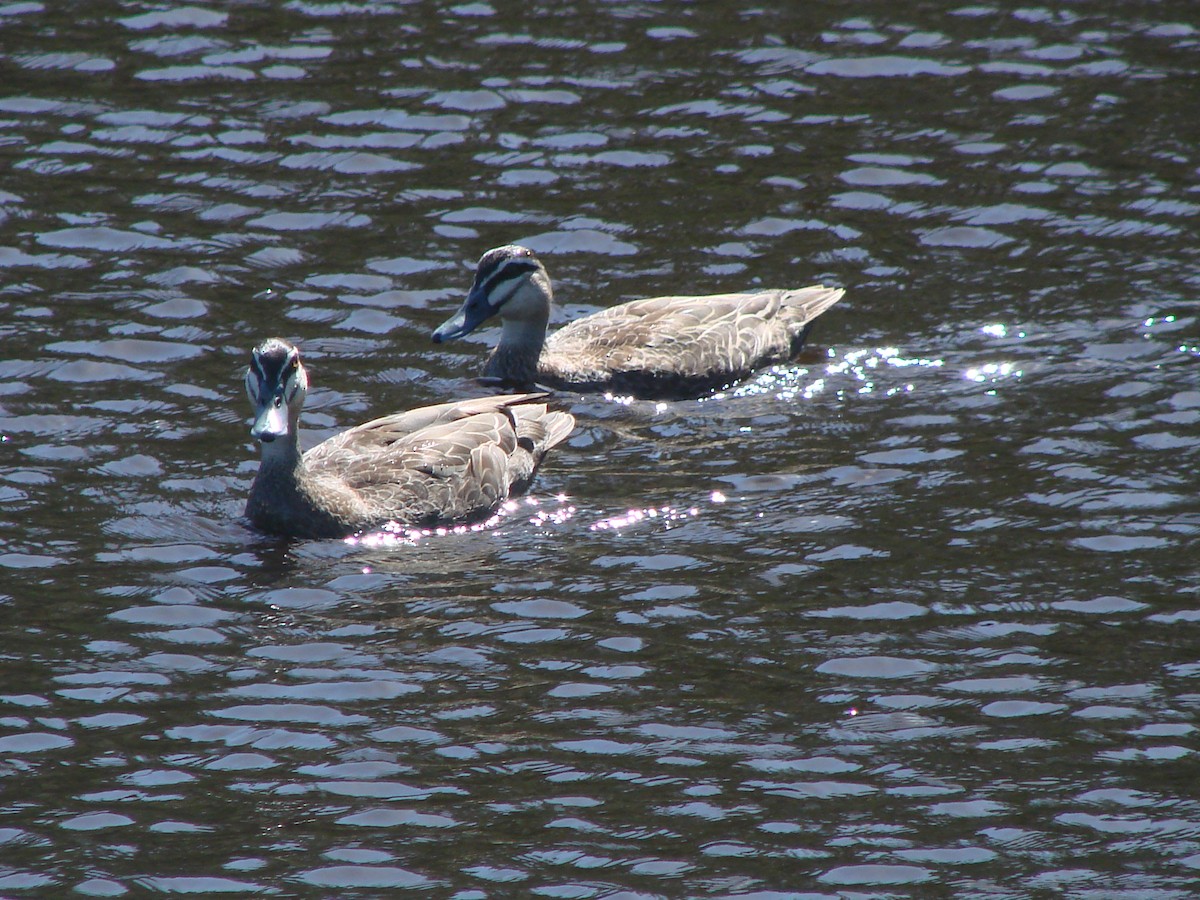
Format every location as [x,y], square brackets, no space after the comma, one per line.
[916,616]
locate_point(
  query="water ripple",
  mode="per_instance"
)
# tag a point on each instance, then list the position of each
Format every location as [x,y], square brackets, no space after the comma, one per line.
[718,635]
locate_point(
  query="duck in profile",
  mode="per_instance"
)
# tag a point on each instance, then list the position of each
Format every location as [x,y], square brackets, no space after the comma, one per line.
[660,348]
[437,465]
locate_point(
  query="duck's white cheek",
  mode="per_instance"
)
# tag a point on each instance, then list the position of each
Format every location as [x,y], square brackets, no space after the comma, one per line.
[501,294]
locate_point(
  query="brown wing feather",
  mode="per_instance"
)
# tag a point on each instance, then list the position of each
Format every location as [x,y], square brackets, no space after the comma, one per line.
[686,343]
[385,430]
[444,463]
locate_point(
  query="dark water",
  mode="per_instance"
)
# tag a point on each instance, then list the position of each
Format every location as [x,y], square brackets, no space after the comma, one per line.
[917,616]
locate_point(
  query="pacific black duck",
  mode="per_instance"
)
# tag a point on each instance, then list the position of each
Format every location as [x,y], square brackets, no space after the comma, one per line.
[659,348]
[446,464]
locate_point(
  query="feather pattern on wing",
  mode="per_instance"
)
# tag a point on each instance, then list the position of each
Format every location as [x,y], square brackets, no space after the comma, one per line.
[681,346]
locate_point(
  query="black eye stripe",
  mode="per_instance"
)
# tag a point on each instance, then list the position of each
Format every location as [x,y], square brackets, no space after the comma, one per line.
[506,271]
[500,257]
[486,268]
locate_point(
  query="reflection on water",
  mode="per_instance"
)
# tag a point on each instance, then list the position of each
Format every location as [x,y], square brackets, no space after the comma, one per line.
[914,613]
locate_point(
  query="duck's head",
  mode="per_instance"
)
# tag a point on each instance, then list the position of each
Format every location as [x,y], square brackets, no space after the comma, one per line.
[277,385]
[510,281]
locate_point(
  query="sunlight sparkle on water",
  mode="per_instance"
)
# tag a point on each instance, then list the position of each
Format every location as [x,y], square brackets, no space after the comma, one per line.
[393,534]
[999,330]
[556,516]
[992,372]
[668,515]
[784,382]
[863,364]
[618,399]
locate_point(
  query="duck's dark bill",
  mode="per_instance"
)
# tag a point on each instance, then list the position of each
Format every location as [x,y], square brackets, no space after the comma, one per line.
[271,423]
[452,328]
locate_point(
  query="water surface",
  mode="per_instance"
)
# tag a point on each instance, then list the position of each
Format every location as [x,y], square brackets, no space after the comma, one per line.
[913,616]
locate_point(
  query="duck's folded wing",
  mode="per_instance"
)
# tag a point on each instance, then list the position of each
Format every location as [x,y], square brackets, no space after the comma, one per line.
[454,470]
[684,336]
[380,434]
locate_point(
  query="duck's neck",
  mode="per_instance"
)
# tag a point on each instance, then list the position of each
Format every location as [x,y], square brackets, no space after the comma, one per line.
[280,470]
[515,358]
[283,454]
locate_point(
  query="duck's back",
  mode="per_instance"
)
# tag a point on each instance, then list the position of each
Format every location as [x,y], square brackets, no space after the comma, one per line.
[674,347]
[454,462]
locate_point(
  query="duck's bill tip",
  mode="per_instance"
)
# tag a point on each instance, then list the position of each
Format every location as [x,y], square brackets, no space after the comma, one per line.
[452,329]
[270,424]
